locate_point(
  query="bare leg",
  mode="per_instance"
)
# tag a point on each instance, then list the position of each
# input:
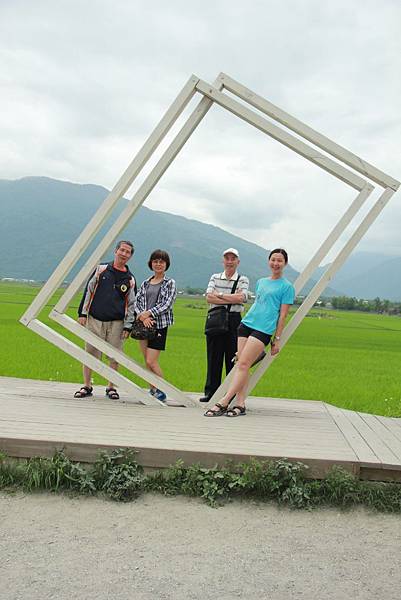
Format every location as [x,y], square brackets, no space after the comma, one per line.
[247,353]
[248,350]
[87,375]
[114,365]
[143,344]
[152,361]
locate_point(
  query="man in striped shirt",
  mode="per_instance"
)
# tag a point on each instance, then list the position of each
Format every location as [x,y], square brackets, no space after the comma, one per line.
[222,348]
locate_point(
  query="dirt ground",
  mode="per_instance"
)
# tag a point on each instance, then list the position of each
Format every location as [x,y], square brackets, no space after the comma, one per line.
[177,548]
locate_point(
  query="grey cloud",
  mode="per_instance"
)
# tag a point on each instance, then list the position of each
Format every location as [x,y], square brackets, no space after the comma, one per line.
[83,85]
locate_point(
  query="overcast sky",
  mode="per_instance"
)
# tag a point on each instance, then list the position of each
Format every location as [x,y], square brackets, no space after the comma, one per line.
[84,83]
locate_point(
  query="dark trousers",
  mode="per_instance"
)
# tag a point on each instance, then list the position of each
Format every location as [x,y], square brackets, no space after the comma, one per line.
[221,348]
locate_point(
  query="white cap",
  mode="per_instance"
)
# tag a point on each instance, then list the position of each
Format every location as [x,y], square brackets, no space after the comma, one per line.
[231,251]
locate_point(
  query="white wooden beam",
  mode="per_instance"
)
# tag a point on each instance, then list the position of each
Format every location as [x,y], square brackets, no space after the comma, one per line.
[313,294]
[333,236]
[212,93]
[139,198]
[121,358]
[282,136]
[89,232]
[97,365]
[323,142]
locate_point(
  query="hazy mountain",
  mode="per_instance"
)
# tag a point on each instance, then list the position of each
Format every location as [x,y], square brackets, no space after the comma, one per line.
[368,275]
[42,217]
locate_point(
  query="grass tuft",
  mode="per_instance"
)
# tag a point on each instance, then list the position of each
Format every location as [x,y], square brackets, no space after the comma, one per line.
[119,477]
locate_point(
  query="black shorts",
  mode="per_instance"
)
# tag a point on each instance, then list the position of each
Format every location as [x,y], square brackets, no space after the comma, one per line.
[245,331]
[159,342]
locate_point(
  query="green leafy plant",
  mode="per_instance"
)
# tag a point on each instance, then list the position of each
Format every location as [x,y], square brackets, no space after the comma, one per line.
[118,475]
[213,485]
[281,480]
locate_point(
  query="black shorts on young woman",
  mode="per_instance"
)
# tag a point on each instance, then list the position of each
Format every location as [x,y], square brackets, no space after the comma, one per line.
[159,341]
[245,331]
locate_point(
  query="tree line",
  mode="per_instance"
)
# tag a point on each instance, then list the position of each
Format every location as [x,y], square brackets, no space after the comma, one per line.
[377,305]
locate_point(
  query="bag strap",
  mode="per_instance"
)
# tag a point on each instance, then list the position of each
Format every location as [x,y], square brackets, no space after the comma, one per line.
[233,291]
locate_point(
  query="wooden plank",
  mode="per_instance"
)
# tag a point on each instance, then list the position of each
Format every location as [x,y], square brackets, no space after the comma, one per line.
[183,427]
[310,433]
[391,425]
[154,458]
[386,435]
[180,413]
[357,443]
[371,474]
[384,454]
[180,433]
[396,421]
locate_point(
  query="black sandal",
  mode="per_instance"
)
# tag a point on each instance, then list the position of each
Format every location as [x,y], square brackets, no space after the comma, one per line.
[83,392]
[216,413]
[112,393]
[232,412]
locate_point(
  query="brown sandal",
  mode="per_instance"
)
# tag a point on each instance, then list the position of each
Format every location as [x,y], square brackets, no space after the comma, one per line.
[216,413]
[232,412]
[83,392]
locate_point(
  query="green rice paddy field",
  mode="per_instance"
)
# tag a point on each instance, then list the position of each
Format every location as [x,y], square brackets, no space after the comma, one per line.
[349,359]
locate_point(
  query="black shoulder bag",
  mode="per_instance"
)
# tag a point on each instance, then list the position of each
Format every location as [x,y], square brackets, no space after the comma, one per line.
[217,322]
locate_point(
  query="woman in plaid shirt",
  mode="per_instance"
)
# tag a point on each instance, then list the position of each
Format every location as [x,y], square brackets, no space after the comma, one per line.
[154,305]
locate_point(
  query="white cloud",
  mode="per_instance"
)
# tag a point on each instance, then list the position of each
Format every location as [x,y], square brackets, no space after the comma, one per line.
[83,84]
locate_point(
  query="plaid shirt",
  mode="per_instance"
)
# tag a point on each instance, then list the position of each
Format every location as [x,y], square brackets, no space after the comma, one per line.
[163,311]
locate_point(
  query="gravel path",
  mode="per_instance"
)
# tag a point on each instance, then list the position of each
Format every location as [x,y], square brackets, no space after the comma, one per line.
[178,548]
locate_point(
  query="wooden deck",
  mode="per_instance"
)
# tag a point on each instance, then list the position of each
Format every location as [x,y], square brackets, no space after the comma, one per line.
[36,417]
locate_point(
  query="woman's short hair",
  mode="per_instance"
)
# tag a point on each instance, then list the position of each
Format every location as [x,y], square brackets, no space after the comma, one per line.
[279,251]
[161,255]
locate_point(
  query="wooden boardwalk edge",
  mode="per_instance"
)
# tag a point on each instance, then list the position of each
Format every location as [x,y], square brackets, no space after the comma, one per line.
[156,458]
[37,418]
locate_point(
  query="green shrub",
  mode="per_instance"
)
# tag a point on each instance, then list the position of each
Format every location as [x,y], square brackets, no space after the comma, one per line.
[280,480]
[118,475]
[213,485]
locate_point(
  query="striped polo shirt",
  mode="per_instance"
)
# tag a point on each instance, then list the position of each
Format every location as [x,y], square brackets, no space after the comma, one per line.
[220,284]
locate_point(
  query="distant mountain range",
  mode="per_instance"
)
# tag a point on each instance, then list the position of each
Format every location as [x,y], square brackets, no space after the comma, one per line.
[368,275]
[42,217]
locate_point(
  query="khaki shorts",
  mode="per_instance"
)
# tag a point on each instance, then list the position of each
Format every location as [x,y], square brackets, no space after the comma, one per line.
[109,331]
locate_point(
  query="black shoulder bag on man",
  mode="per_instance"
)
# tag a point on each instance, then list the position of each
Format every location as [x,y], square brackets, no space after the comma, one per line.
[217,318]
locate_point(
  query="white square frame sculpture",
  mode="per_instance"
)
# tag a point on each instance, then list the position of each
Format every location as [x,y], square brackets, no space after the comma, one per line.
[211,94]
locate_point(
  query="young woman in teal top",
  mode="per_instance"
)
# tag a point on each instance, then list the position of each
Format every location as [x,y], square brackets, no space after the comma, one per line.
[274,296]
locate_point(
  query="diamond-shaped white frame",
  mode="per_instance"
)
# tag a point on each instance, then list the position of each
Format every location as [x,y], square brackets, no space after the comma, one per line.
[211,93]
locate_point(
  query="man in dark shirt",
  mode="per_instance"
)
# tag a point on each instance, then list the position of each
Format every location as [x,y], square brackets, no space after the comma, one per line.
[107,309]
